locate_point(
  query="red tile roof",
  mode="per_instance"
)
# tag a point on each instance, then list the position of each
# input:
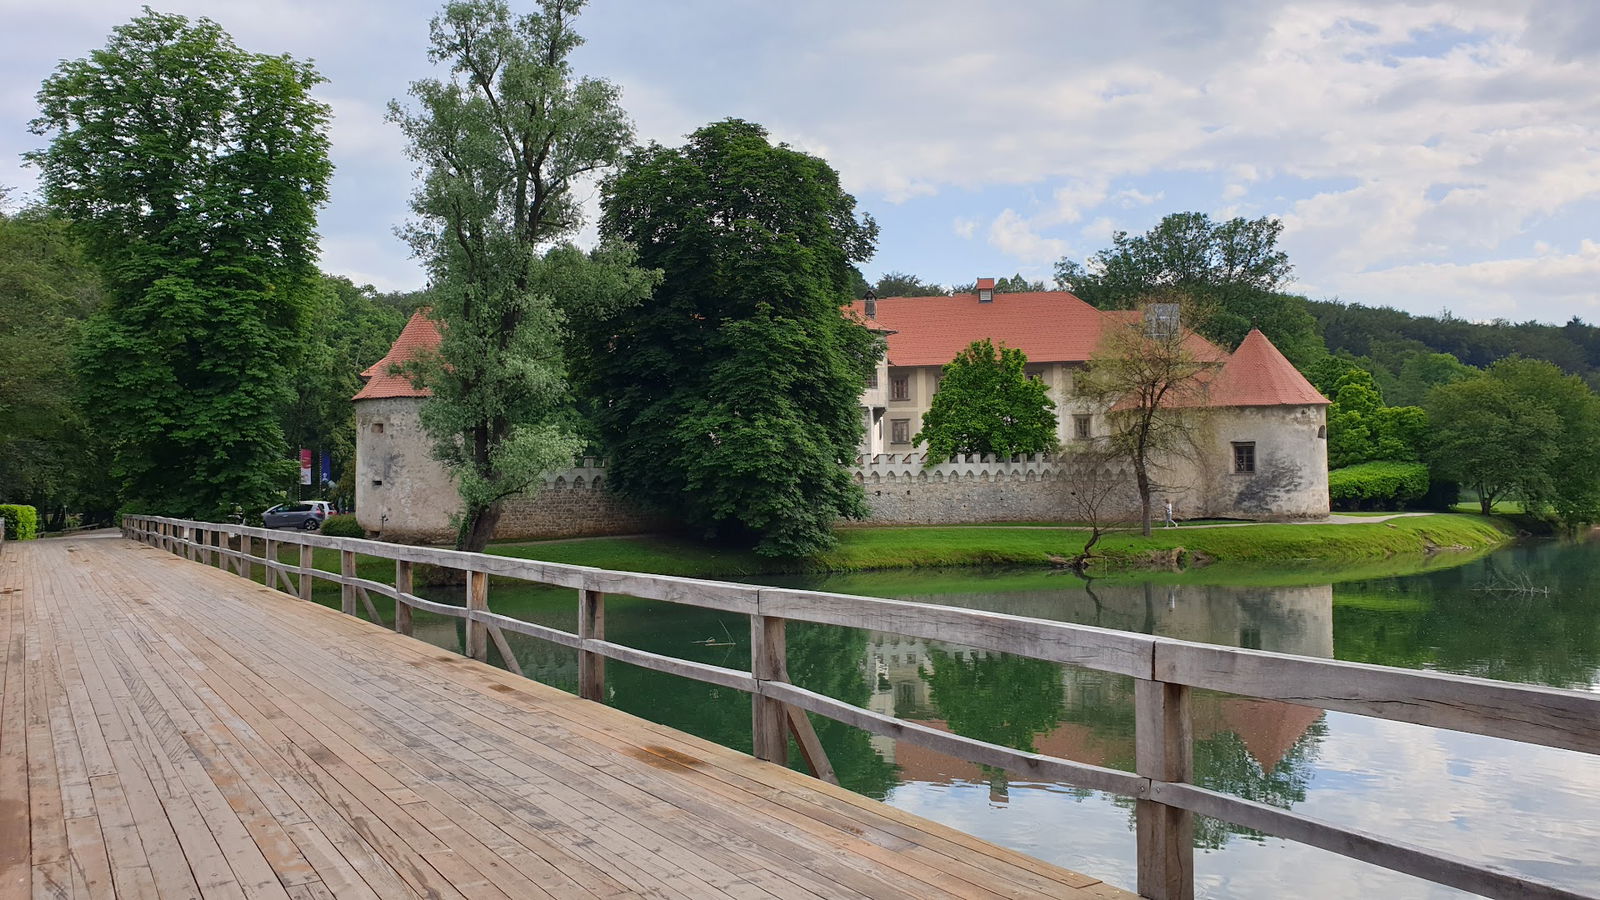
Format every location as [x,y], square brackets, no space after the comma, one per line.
[1049,326]
[1258,375]
[421,333]
[985,284]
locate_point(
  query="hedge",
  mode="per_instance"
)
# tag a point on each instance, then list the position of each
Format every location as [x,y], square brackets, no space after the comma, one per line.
[1377,485]
[343,526]
[22,522]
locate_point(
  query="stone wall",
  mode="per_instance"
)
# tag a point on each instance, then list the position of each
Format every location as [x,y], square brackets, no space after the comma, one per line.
[970,489]
[404,494]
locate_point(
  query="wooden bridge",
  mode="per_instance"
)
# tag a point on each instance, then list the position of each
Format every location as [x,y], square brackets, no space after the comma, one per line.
[169,727]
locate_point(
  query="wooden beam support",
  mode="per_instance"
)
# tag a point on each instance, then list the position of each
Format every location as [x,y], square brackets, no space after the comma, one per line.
[402,584]
[477,598]
[805,736]
[769,661]
[305,571]
[347,591]
[1164,751]
[591,627]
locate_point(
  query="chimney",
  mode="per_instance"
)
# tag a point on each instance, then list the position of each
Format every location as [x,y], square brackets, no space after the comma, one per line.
[985,290]
[872,304]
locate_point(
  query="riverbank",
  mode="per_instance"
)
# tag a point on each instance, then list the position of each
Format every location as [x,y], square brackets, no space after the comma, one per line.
[866,549]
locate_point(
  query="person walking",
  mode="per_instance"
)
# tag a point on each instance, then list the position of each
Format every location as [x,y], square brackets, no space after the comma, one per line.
[1170,522]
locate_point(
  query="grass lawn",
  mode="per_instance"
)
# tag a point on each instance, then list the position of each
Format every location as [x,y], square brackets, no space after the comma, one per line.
[861,549]
[1501,507]
[1271,549]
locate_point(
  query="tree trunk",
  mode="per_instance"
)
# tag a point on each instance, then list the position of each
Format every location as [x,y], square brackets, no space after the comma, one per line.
[1143,479]
[1485,504]
[478,527]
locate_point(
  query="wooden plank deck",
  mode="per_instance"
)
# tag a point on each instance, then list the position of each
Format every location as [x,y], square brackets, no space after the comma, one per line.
[172,730]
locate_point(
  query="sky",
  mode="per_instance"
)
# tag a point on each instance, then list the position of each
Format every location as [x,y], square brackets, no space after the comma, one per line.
[1426,156]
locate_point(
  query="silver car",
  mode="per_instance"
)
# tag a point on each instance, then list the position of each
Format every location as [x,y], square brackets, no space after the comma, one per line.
[305,514]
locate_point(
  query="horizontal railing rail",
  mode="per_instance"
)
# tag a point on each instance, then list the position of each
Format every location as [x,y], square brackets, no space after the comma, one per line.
[1165,672]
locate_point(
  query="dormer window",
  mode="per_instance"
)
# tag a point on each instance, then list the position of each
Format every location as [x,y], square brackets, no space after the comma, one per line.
[985,290]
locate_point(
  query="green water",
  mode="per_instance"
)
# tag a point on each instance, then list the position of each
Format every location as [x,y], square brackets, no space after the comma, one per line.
[1528,613]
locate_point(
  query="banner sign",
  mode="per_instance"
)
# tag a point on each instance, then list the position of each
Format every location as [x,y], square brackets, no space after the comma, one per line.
[327,467]
[305,466]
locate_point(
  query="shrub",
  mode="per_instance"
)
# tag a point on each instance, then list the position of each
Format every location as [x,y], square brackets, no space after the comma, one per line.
[1377,485]
[22,522]
[343,526]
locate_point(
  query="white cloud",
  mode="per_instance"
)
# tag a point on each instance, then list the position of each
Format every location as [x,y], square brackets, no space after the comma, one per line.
[1518,288]
[1015,236]
[1400,143]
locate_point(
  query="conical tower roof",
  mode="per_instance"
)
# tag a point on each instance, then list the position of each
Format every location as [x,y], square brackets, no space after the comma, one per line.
[1258,375]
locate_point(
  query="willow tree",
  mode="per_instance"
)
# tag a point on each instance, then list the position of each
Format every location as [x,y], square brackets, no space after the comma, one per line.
[502,144]
[193,170]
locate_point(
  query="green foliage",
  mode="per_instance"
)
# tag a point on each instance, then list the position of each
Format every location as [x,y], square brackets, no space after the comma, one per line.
[1422,372]
[1521,430]
[988,404]
[1235,268]
[22,522]
[193,170]
[502,145]
[1013,284]
[730,398]
[1388,338]
[1377,485]
[344,525]
[47,289]
[899,284]
[1361,429]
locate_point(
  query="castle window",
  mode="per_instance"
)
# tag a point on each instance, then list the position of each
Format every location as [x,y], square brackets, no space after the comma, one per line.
[900,388]
[1083,427]
[1035,373]
[872,380]
[899,431]
[377,428]
[1244,457]
[1322,432]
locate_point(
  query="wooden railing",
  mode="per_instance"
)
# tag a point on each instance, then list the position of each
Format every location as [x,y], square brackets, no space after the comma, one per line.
[1165,672]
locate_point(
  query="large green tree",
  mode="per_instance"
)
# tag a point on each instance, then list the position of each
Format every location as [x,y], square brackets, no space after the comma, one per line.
[987,404]
[1362,429]
[1521,430]
[503,143]
[1234,267]
[731,398]
[47,289]
[193,169]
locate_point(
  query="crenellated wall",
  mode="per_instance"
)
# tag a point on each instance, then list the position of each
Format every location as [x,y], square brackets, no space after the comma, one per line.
[403,494]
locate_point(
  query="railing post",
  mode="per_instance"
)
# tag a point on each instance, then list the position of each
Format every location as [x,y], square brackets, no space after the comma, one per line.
[305,571]
[402,585]
[247,548]
[591,626]
[769,729]
[347,591]
[1164,752]
[477,599]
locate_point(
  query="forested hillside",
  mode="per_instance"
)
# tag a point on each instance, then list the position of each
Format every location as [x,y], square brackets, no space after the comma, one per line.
[1388,337]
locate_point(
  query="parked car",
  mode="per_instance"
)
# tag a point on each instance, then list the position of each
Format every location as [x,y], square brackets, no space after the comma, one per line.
[306,514]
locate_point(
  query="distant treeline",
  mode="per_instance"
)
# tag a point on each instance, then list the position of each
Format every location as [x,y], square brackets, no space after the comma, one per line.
[1388,337]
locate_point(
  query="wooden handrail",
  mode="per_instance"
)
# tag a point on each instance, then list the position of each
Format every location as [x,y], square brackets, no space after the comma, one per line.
[1165,669]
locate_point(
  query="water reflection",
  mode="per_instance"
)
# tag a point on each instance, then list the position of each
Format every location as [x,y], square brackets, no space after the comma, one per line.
[1530,809]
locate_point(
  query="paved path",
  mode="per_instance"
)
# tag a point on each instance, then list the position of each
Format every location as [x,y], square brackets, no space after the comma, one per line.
[171,730]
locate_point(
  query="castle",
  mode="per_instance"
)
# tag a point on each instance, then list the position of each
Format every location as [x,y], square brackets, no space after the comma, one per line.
[1261,449]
